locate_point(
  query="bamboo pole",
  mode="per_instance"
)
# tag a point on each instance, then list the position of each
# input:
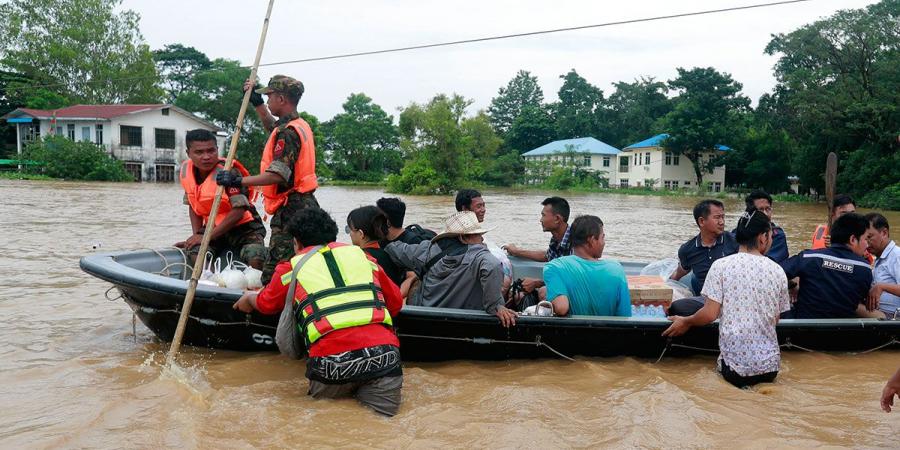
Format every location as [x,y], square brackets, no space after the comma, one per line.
[204,244]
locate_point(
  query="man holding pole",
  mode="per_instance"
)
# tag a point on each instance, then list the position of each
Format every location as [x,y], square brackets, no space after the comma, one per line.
[288,166]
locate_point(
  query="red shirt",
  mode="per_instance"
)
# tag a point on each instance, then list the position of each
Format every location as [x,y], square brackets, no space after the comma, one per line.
[271,301]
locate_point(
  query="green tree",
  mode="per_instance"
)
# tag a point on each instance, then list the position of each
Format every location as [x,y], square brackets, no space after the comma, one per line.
[578,108]
[64,158]
[838,91]
[707,112]
[533,128]
[80,50]
[362,142]
[177,66]
[522,92]
[634,110]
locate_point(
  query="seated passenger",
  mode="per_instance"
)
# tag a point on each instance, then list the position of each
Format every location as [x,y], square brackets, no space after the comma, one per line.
[583,284]
[554,219]
[238,227]
[395,210]
[471,200]
[746,292]
[885,291]
[834,281]
[698,253]
[842,204]
[762,202]
[344,305]
[367,227]
[456,270]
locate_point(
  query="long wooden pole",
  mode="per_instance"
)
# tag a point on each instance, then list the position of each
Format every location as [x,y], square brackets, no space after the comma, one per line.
[207,233]
[830,183]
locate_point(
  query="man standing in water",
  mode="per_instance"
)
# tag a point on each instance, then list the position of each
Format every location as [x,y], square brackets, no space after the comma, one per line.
[746,292]
[344,304]
[238,226]
[288,166]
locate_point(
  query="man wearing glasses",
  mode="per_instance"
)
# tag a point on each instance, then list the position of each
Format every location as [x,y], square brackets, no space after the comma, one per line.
[761,201]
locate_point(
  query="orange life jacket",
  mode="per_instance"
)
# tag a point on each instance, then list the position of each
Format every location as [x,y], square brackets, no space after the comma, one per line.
[201,196]
[304,169]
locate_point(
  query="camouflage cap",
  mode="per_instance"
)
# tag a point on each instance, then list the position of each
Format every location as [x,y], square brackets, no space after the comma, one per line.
[283,84]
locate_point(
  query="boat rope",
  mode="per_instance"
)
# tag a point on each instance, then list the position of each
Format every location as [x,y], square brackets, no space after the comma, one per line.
[787,345]
[889,343]
[478,340]
[204,321]
[106,294]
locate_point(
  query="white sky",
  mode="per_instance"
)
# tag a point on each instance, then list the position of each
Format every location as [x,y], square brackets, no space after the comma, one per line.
[732,42]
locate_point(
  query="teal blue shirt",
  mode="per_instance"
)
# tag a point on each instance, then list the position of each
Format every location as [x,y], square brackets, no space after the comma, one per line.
[594,288]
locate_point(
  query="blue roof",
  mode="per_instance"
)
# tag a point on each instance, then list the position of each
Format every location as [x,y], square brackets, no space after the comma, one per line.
[578,145]
[655,141]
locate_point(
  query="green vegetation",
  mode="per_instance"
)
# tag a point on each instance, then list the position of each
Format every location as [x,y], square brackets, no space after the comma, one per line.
[13,175]
[63,158]
[838,90]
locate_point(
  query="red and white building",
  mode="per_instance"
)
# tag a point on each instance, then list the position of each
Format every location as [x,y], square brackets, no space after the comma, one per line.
[148,139]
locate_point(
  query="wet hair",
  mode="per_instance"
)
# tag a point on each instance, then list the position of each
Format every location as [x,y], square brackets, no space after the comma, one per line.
[394,209]
[841,200]
[704,208]
[850,224]
[312,226]
[372,221]
[198,135]
[751,198]
[558,205]
[464,198]
[751,224]
[584,227]
[878,221]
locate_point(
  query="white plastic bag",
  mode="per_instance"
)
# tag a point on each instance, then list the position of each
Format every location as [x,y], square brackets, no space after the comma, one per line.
[663,268]
[231,276]
[254,278]
[542,309]
[210,275]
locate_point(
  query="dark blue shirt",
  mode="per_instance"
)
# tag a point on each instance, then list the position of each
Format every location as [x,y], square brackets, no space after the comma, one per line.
[695,257]
[833,282]
[563,247]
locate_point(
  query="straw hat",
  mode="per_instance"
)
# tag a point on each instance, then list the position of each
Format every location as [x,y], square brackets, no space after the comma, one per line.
[461,223]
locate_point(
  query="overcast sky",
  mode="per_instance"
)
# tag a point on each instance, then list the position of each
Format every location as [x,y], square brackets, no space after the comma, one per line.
[732,42]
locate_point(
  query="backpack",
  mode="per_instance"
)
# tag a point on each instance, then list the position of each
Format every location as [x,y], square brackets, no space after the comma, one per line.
[415,234]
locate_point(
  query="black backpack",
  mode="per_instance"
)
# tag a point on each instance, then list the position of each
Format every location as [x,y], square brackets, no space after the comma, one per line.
[415,234]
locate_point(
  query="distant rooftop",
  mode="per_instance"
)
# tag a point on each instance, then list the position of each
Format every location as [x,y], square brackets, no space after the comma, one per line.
[655,141]
[578,145]
[89,111]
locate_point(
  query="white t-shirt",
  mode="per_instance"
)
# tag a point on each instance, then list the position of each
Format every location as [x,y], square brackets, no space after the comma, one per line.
[753,292]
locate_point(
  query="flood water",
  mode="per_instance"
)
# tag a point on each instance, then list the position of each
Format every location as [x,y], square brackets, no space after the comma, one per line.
[73,375]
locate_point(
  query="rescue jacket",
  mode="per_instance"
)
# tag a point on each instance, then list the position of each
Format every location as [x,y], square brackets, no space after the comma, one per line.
[336,288]
[201,196]
[304,169]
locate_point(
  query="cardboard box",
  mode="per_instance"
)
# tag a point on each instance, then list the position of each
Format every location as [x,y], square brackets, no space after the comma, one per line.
[649,290]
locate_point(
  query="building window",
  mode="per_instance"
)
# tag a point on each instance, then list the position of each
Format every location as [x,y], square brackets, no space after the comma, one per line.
[674,184]
[647,158]
[687,183]
[587,160]
[70,128]
[717,187]
[59,130]
[675,160]
[130,136]
[164,138]
[623,182]
[667,184]
[165,173]
[86,134]
[606,161]
[623,164]
[165,111]
[99,134]
[135,169]
[668,158]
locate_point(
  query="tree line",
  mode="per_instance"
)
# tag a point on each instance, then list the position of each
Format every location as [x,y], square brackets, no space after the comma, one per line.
[837,89]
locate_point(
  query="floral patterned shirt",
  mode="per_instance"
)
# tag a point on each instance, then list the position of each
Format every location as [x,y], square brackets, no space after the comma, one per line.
[753,292]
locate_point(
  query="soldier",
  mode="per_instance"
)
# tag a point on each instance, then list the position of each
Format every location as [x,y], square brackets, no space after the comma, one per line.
[238,226]
[287,173]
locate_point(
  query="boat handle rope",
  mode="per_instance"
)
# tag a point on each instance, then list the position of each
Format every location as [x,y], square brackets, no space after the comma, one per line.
[204,321]
[106,294]
[787,345]
[485,341]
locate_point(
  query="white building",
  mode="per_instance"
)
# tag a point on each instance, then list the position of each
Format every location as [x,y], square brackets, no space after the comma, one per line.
[648,160]
[587,152]
[148,139]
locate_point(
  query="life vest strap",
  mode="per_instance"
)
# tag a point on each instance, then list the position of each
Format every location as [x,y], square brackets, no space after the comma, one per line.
[311,299]
[332,264]
[318,314]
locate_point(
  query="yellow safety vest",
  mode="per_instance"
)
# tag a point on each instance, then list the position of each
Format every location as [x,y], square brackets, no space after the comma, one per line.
[342,291]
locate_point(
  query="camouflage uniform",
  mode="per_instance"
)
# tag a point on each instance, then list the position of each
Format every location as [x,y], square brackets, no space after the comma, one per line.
[246,241]
[285,153]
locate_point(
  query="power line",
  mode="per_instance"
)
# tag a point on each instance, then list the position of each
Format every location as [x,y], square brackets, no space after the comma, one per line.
[462,42]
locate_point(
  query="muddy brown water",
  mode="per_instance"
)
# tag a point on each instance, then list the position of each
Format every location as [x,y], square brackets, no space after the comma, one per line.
[72,375]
